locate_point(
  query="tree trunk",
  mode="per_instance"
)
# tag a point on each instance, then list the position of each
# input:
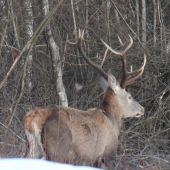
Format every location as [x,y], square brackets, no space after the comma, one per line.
[154,23]
[57,63]
[27,34]
[137,16]
[144,21]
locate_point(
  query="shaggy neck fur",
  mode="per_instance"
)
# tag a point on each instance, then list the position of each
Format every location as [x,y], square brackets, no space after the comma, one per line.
[112,108]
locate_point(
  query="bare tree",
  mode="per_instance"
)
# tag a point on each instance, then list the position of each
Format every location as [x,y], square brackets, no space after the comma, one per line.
[27,34]
[57,62]
[154,22]
[137,17]
[143,21]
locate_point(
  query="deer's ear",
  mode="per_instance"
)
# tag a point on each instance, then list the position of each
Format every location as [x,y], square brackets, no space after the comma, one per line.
[103,83]
[113,83]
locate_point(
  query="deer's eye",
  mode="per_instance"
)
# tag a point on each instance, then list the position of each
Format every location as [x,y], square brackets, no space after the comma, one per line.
[130,97]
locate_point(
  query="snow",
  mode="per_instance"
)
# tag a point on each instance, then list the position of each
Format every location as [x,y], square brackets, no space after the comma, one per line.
[36,164]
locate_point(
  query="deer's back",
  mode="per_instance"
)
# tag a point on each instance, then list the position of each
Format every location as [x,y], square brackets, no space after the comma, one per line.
[74,136]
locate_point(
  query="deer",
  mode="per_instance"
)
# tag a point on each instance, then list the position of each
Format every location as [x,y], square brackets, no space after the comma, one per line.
[68,135]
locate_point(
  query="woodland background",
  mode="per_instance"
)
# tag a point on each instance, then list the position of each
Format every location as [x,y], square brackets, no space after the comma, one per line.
[38,68]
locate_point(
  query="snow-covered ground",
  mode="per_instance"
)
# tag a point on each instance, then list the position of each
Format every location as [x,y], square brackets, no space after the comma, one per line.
[37,164]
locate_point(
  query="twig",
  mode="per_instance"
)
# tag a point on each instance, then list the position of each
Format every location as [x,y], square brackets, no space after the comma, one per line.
[130,28]
[150,156]
[22,89]
[12,132]
[11,48]
[32,40]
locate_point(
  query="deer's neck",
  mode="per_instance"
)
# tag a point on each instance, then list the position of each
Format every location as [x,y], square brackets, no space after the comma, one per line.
[112,108]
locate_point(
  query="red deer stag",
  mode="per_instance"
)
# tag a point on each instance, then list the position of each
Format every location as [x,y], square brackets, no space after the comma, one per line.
[90,137]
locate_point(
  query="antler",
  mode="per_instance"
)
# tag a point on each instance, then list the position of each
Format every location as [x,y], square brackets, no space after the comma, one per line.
[128,77]
[79,46]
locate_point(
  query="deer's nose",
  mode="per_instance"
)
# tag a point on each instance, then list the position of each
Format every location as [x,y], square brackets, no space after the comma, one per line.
[142,111]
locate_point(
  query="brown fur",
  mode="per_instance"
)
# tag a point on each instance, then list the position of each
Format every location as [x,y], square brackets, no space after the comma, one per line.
[64,134]
[38,115]
[75,130]
[110,105]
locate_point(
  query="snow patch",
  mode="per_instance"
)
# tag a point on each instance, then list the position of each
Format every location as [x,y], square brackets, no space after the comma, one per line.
[35,164]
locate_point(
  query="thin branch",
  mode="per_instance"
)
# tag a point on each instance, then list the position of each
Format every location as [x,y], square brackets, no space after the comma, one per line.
[32,40]
[22,89]
[12,132]
[11,48]
[130,28]
[6,26]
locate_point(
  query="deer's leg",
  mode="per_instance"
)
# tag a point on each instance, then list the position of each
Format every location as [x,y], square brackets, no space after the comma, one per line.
[34,148]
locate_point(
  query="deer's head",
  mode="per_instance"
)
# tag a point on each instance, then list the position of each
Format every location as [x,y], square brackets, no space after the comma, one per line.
[115,93]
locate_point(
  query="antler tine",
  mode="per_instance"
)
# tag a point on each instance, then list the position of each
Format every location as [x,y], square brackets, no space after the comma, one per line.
[80,36]
[120,41]
[141,68]
[129,76]
[123,50]
[105,54]
[79,46]
[132,74]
